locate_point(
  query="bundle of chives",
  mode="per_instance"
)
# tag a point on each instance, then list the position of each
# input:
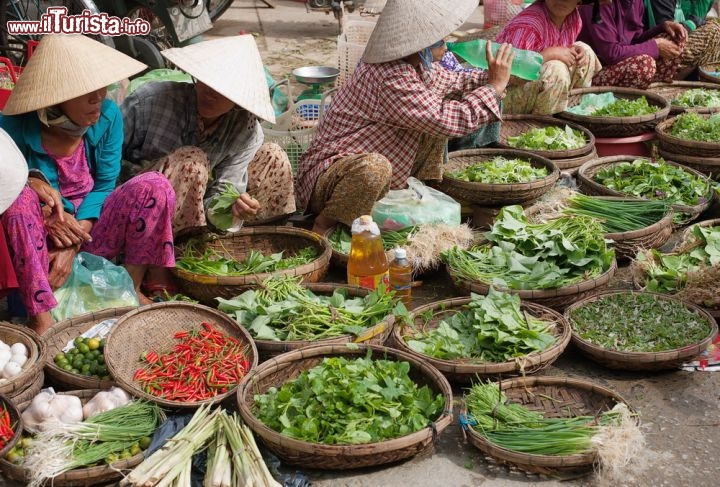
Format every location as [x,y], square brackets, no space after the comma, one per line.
[618,216]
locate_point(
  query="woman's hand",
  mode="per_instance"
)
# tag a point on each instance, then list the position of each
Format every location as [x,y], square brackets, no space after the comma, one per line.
[48,195]
[675,30]
[499,66]
[61,261]
[580,54]
[667,48]
[245,206]
[67,232]
[564,54]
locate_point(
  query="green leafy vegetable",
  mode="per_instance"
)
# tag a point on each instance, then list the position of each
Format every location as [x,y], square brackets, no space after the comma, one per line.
[691,126]
[341,238]
[549,138]
[626,108]
[500,170]
[698,97]
[220,209]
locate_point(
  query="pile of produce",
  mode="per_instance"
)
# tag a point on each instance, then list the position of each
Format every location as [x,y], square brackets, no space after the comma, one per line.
[281,309]
[551,137]
[622,107]
[12,360]
[85,358]
[204,363]
[500,170]
[637,322]
[213,263]
[490,328]
[220,209]
[618,216]
[691,126]
[341,238]
[7,429]
[349,401]
[697,98]
[524,255]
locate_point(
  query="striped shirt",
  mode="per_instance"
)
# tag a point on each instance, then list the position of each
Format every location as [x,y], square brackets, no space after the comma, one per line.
[533,30]
[385,108]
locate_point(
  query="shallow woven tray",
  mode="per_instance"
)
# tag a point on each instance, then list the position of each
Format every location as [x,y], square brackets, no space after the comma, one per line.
[709,166]
[641,361]
[554,397]
[513,125]
[670,91]
[376,335]
[465,370]
[153,327]
[60,334]
[676,145]
[283,368]
[79,477]
[496,194]
[15,423]
[37,351]
[617,126]
[705,70]
[267,240]
[588,185]
[557,299]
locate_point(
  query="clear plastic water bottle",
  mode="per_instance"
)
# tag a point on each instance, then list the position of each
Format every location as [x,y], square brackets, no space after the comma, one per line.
[525,65]
[401,277]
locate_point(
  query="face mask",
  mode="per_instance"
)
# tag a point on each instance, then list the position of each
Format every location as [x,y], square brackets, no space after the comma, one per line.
[53,116]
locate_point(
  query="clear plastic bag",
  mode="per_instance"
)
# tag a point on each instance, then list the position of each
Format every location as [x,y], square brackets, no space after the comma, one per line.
[415,205]
[95,283]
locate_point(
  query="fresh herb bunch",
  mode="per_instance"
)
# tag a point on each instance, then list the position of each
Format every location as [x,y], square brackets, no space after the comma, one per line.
[548,138]
[350,401]
[691,126]
[698,97]
[500,170]
[341,238]
[220,208]
[655,180]
[618,216]
[626,108]
[638,322]
[490,328]
[282,309]
[524,255]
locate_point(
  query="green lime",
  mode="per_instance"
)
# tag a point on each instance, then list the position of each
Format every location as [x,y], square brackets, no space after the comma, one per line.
[102,344]
[13,457]
[101,359]
[75,371]
[94,353]
[62,363]
[112,458]
[135,449]
[72,352]
[82,348]
[101,370]
[125,454]
[79,341]
[59,357]
[66,366]
[145,442]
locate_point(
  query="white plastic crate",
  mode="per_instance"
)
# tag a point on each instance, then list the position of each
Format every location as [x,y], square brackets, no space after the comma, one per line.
[351,45]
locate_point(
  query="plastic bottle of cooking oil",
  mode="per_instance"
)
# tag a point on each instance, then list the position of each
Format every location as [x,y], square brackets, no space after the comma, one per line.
[367,264]
[401,277]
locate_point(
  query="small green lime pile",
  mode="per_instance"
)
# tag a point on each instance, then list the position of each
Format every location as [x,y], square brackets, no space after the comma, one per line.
[85,358]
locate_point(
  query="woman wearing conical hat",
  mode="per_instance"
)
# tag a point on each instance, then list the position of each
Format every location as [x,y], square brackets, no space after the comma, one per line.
[71,137]
[205,135]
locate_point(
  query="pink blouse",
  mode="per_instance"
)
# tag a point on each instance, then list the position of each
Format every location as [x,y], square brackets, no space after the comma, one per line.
[74,176]
[533,30]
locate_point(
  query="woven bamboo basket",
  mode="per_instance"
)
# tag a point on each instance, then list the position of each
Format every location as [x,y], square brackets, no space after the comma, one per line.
[553,397]
[640,361]
[496,194]
[588,185]
[705,73]
[37,350]
[513,125]
[709,166]
[617,126]
[557,299]
[465,370]
[31,391]
[153,327]
[268,240]
[572,164]
[79,477]
[15,423]
[377,335]
[676,145]
[670,91]
[58,337]
[275,372]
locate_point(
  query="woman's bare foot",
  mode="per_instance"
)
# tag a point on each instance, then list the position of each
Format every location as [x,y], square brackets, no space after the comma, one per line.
[41,323]
[144,300]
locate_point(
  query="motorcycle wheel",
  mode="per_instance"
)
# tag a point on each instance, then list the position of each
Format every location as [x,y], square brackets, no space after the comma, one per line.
[142,49]
[216,8]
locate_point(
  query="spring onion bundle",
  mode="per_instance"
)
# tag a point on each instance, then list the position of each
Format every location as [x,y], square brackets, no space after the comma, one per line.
[618,215]
[500,170]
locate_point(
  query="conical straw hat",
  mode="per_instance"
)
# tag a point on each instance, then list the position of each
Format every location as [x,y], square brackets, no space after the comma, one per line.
[64,67]
[14,170]
[231,66]
[408,26]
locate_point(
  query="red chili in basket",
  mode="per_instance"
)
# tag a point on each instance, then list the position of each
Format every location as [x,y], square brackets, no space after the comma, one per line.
[6,428]
[203,364]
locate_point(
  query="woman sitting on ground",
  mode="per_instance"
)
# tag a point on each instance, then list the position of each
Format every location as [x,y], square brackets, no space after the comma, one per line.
[71,137]
[207,134]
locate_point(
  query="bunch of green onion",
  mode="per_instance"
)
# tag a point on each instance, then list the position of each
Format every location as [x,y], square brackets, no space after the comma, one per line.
[618,215]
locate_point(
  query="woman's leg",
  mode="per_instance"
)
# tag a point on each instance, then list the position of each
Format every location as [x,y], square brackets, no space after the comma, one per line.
[270,181]
[634,72]
[703,46]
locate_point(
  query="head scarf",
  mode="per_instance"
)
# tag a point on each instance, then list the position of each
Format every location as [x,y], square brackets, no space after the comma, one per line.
[426,56]
[54,116]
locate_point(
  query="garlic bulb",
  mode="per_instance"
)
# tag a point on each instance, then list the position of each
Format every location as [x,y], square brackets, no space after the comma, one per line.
[19,359]
[19,348]
[11,370]
[105,401]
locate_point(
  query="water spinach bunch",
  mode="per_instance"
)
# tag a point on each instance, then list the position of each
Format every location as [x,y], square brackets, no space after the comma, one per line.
[691,126]
[283,310]
[524,255]
[698,97]
[551,137]
[490,328]
[350,401]
[622,107]
[500,170]
[618,215]
[341,238]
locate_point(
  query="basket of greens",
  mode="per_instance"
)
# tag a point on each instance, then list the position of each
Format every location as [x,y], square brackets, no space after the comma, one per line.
[553,263]
[551,425]
[709,166]
[340,239]
[687,191]
[225,266]
[709,73]
[283,315]
[694,134]
[495,177]
[635,330]
[545,136]
[689,96]
[485,336]
[345,406]
[633,112]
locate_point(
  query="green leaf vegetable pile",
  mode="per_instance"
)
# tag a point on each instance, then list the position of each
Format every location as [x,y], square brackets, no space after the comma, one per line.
[626,108]
[548,138]
[350,401]
[697,98]
[489,328]
[341,238]
[220,209]
[500,170]
[691,126]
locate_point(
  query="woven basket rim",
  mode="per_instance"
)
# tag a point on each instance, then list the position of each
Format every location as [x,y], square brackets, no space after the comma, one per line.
[28,372]
[276,363]
[663,133]
[665,221]
[663,89]
[128,320]
[652,98]
[546,356]
[630,358]
[685,159]
[16,418]
[548,120]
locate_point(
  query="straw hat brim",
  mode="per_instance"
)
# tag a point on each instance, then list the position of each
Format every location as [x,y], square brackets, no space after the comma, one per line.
[232,66]
[408,26]
[13,168]
[64,67]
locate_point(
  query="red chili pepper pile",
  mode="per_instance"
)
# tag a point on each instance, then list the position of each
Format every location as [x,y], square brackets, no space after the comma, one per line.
[6,430]
[203,364]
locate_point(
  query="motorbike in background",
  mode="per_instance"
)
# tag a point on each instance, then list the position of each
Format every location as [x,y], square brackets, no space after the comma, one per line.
[336,7]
